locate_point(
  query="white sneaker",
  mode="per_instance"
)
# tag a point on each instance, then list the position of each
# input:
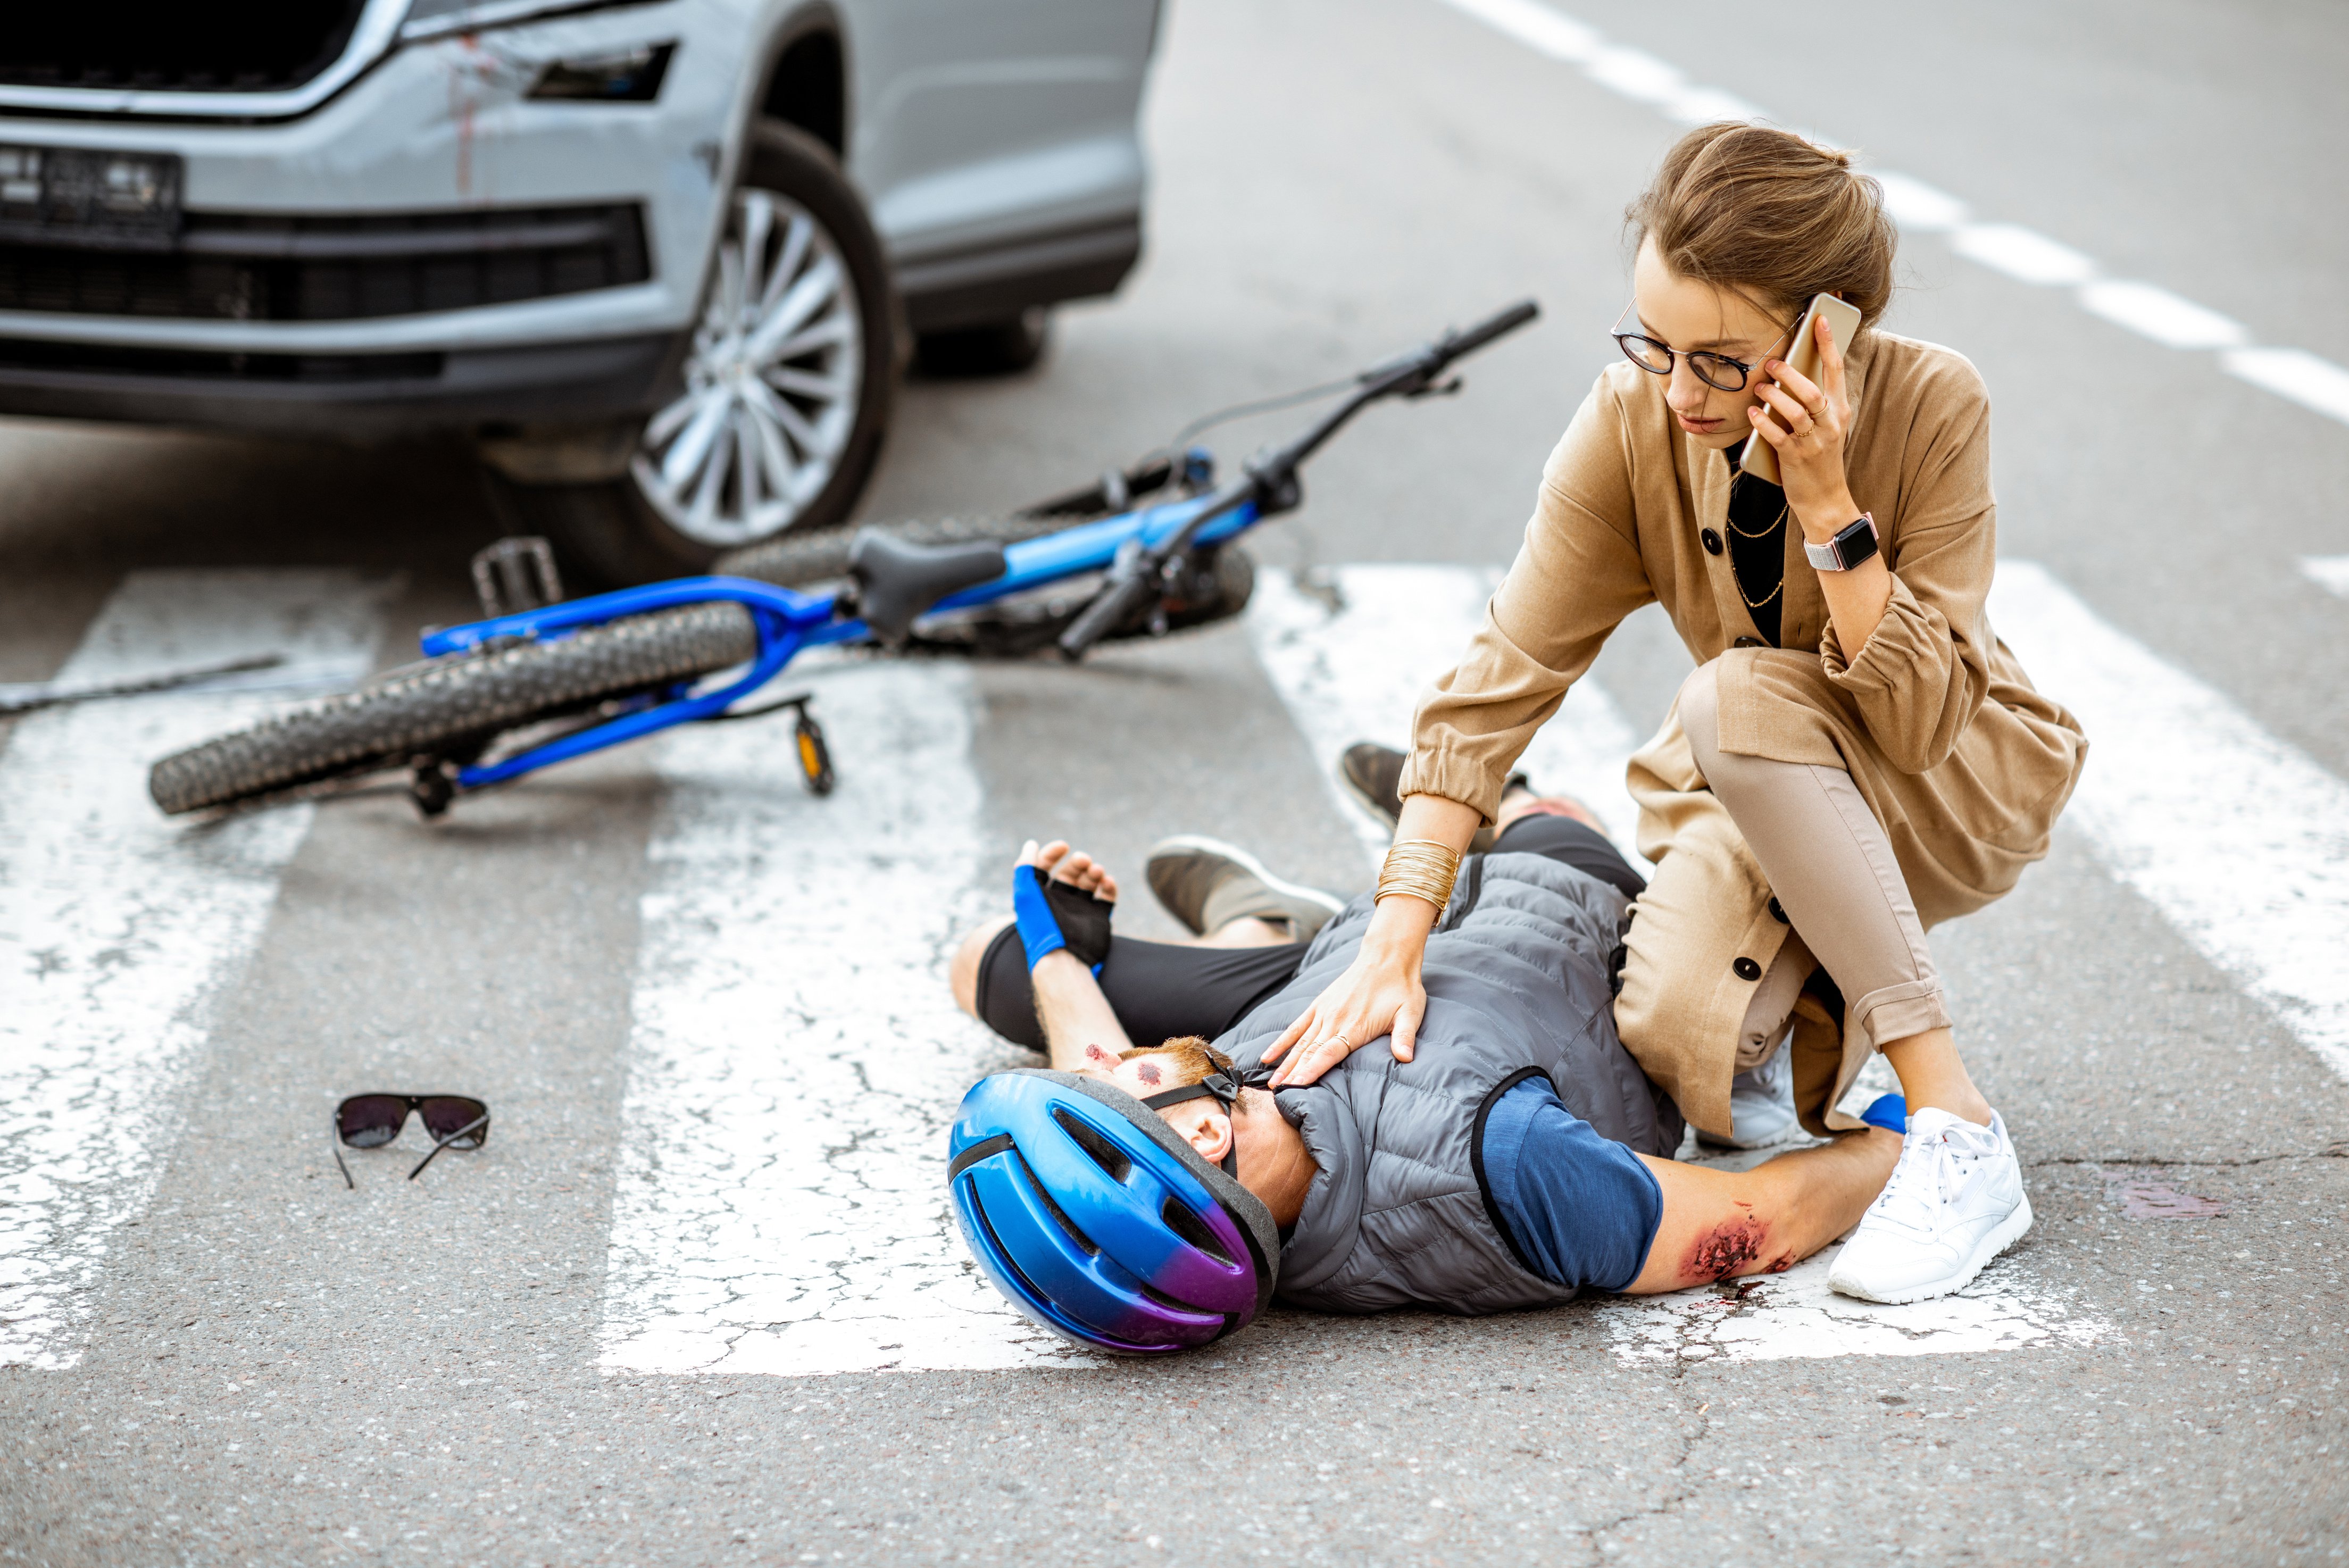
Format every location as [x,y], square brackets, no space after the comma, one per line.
[1954,1203]
[1762,1104]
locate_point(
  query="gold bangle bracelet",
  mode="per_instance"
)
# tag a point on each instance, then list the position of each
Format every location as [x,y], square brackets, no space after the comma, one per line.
[1422,869]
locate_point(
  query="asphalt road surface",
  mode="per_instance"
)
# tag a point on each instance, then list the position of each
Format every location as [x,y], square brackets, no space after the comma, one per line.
[694,1304]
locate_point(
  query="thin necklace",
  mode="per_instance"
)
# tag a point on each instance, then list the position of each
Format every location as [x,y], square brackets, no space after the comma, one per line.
[1729,518]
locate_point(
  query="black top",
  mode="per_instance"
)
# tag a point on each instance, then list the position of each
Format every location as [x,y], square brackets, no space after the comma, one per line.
[1757,545]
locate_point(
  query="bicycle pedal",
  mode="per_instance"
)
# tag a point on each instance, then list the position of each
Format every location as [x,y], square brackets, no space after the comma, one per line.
[515,574]
[815,757]
[432,785]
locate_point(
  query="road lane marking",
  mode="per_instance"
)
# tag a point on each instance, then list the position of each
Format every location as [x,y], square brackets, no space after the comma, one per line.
[2330,573]
[1351,649]
[121,931]
[2171,320]
[2311,382]
[1793,1316]
[795,1057]
[2241,840]
[2025,254]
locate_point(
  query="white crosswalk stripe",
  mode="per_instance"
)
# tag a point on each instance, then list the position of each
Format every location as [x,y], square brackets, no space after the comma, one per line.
[796,1058]
[794,1055]
[119,931]
[2239,840]
[1352,651]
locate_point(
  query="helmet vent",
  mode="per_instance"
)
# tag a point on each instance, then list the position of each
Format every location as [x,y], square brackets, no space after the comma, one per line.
[1058,1216]
[1194,1230]
[1105,1154]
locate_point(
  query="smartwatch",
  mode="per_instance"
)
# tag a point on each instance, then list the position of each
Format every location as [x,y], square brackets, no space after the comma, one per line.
[1847,548]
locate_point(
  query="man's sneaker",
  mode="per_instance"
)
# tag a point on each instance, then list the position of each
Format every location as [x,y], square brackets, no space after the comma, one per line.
[1207,883]
[1371,773]
[1761,1104]
[1954,1203]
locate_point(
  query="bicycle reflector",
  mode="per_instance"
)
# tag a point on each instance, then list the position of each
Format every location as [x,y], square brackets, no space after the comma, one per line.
[1097,1221]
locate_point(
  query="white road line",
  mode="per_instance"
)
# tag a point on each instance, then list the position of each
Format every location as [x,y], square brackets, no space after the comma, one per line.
[1793,1316]
[2024,254]
[2330,573]
[121,931]
[2311,382]
[2238,838]
[1352,651]
[2169,319]
[796,1059]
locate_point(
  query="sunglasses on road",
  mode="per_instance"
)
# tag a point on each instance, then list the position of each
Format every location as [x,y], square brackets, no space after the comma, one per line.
[372,1120]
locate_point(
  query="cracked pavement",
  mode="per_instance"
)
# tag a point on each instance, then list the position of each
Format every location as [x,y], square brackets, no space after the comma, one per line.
[280,1370]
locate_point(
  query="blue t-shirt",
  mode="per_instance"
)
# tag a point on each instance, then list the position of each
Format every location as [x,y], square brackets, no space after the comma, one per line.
[1581,1208]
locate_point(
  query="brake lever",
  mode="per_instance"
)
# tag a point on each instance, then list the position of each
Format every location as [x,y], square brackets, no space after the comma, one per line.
[1444,388]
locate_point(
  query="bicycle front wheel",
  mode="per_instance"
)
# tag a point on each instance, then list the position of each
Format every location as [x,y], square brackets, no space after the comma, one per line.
[454,706]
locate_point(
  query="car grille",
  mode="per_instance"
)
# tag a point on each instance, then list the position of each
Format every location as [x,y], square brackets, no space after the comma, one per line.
[102,359]
[251,46]
[237,268]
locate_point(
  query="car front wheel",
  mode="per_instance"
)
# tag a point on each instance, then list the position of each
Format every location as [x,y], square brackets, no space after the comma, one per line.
[787,385]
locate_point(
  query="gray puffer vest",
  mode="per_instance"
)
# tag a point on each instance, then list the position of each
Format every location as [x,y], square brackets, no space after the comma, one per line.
[1517,976]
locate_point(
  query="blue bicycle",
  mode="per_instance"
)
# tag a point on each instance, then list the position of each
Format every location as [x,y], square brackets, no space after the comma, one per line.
[541,680]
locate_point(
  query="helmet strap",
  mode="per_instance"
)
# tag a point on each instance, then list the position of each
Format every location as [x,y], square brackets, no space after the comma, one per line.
[1219,1087]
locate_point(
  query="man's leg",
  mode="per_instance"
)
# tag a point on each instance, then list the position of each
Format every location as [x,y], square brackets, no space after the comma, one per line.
[1159,990]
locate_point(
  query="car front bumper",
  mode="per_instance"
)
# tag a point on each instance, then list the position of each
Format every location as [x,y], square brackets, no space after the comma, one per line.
[436,129]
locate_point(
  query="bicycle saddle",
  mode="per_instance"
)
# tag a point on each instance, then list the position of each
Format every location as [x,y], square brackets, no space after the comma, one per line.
[897,583]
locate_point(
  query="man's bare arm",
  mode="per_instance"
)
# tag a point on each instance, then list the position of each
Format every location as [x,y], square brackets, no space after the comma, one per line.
[1720,1224]
[1075,1015]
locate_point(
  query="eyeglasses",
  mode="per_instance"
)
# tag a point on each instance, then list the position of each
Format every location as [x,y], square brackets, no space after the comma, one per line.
[372,1120]
[1716,370]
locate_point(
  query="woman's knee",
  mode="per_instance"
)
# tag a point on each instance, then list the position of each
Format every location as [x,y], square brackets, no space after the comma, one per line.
[1700,713]
[962,974]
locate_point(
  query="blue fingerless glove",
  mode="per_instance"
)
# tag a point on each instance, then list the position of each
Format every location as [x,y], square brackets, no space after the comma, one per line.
[1039,932]
[1054,917]
[1890,1112]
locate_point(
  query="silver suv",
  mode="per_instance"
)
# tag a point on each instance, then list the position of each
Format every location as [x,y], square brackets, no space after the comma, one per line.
[660,257]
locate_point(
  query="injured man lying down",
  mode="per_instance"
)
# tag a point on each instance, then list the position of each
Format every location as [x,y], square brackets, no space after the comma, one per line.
[1175,1167]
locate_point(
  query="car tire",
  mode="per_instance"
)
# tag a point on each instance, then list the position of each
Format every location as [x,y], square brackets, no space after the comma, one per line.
[805,424]
[991,348]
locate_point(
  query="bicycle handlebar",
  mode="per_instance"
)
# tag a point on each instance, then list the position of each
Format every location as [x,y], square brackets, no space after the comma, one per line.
[1268,481]
[1458,346]
[1108,609]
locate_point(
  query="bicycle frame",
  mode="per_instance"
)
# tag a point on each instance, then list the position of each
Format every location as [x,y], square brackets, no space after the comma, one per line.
[788,621]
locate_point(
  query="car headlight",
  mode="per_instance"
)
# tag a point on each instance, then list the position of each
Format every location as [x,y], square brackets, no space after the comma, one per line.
[438,18]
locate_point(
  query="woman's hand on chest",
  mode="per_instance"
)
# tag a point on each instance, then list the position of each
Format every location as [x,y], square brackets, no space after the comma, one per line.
[1806,423]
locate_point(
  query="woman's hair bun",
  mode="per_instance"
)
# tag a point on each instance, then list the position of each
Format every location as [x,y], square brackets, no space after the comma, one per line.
[1767,214]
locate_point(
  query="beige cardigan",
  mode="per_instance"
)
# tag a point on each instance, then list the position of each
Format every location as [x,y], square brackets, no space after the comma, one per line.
[1964,764]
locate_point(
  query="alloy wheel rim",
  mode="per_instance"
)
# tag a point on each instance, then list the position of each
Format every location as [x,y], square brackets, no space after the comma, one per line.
[771,383]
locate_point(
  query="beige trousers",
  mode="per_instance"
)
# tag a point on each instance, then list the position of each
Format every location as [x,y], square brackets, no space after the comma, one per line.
[1832,870]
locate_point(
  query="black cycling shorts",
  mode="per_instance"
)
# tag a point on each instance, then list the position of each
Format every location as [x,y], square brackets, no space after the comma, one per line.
[1163,991]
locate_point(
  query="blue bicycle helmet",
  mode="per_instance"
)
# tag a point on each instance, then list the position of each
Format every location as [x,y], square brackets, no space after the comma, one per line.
[1098,1221]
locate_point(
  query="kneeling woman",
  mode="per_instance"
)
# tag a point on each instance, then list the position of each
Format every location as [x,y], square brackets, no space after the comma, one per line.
[1856,756]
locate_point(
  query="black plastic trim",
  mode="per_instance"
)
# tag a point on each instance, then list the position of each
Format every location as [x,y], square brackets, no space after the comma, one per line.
[996,282]
[1477,1162]
[985,1149]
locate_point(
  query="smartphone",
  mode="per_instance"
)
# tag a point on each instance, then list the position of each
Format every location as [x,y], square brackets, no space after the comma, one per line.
[1761,459]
